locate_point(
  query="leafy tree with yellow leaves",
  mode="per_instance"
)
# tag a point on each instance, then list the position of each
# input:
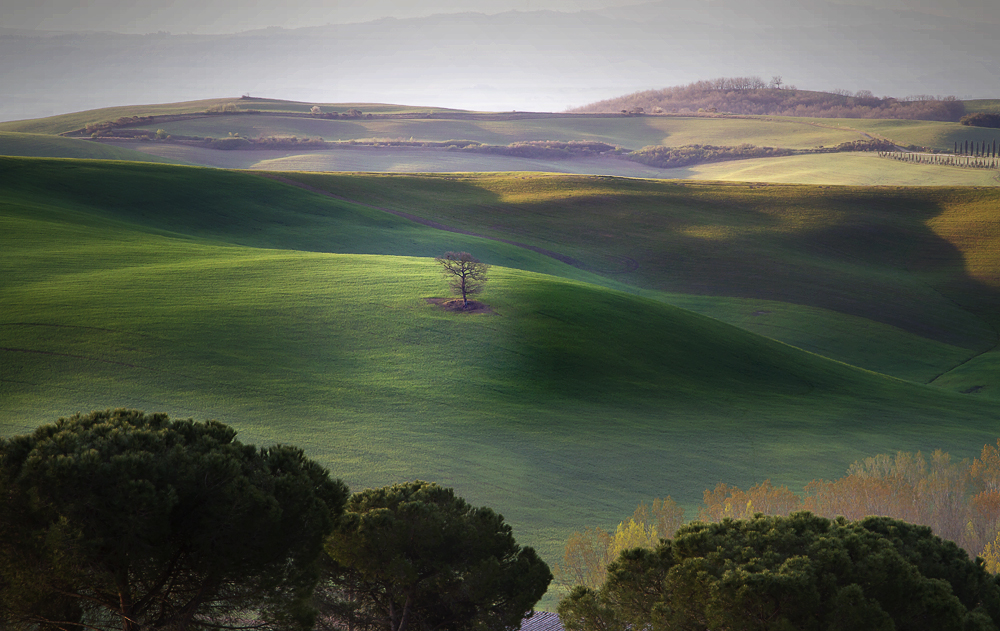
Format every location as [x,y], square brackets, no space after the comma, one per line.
[588,553]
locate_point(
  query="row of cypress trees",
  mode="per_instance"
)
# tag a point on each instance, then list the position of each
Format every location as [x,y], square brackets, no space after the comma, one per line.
[978,149]
[961,160]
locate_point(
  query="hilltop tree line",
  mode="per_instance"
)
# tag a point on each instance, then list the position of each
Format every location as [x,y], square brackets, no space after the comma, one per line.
[754,96]
[982,119]
[122,520]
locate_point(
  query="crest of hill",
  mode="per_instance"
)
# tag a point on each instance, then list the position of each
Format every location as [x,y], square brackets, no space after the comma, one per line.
[754,96]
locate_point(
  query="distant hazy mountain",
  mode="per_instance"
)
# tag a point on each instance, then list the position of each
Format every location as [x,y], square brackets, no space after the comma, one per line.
[542,60]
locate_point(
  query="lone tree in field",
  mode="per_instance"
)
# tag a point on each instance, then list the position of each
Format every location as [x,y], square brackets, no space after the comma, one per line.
[118,520]
[466,273]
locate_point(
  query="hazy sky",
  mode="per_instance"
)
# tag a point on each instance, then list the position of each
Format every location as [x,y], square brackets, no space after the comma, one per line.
[230,16]
[495,55]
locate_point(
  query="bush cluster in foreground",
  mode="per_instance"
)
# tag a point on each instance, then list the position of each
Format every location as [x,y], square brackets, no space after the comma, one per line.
[801,572]
[122,520]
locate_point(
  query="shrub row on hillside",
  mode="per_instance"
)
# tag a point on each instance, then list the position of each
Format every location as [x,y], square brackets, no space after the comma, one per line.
[123,121]
[672,157]
[872,144]
[544,149]
[982,119]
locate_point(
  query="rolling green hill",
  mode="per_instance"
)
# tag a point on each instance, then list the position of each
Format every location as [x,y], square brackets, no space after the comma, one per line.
[846,169]
[287,119]
[301,318]
[919,260]
[930,134]
[64,123]
[631,132]
[45,146]
[982,105]
[628,132]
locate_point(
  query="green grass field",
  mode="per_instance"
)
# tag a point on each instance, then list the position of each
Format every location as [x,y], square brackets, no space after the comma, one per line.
[631,133]
[846,169]
[982,105]
[77,120]
[628,132]
[300,318]
[886,254]
[46,146]
[849,169]
[931,134]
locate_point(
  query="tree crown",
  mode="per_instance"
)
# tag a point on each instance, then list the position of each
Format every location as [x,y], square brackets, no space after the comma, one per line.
[137,520]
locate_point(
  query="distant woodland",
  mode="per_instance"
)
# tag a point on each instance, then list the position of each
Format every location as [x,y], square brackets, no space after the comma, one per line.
[753,95]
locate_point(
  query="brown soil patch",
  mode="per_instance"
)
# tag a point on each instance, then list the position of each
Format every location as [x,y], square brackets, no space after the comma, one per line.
[455,304]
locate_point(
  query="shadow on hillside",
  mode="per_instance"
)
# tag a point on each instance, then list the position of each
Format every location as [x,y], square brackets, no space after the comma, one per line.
[864,252]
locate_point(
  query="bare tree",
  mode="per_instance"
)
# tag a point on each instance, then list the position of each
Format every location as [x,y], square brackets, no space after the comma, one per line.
[466,273]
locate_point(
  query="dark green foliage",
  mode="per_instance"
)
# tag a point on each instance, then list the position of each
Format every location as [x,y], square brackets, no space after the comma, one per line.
[415,556]
[800,572]
[672,157]
[981,119]
[230,143]
[872,144]
[122,520]
[545,149]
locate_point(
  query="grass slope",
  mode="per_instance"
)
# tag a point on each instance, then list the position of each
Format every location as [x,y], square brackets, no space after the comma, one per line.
[846,169]
[191,292]
[982,105]
[894,256]
[239,209]
[45,146]
[629,132]
[931,134]
[77,120]
[852,169]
